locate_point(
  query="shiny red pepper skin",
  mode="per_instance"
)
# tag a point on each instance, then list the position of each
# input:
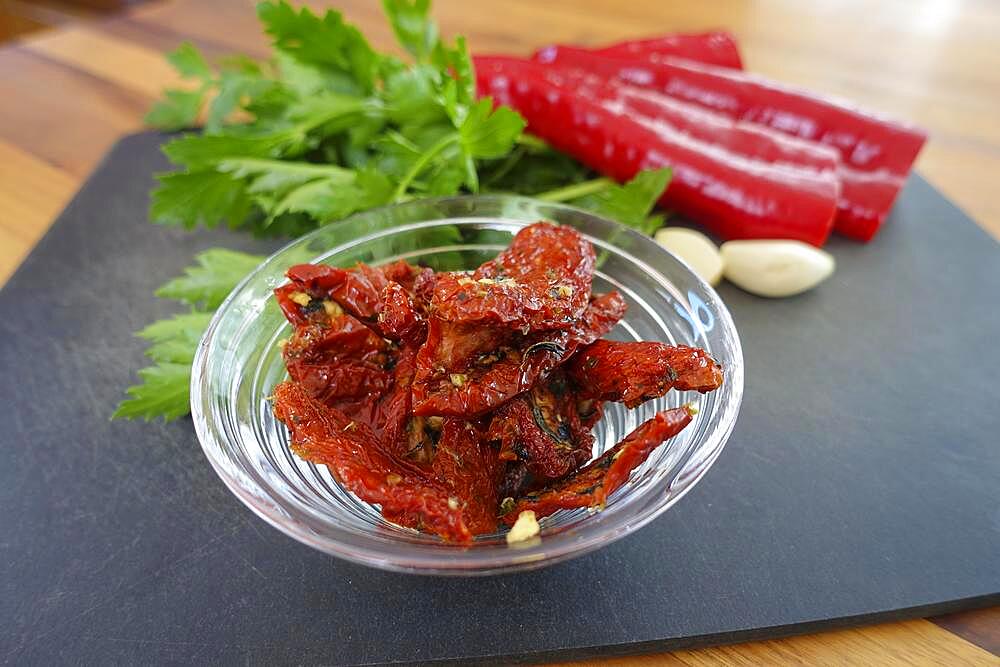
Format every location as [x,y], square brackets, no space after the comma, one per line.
[733,196]
[591,485]
[882,148]
[712,48]
[737,137]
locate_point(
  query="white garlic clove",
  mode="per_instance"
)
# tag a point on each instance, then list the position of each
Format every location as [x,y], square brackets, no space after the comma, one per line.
[694,248]
[525,528]
[775,268]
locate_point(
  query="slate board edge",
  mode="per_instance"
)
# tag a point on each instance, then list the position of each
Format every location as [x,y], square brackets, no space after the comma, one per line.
[725,638]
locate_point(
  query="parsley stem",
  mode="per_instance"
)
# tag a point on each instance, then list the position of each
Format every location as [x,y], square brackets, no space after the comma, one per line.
[576,190]
[508,164]
[259,165]
[532,142]
[418,166]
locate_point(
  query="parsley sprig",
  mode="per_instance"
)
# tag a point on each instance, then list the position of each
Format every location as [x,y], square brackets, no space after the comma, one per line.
[326,127]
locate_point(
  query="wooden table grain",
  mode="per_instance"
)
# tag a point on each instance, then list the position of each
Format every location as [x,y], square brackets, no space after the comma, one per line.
[69,94]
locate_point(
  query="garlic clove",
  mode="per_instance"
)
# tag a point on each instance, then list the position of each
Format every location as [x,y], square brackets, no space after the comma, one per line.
[524,528]
[694,248]
[775,268]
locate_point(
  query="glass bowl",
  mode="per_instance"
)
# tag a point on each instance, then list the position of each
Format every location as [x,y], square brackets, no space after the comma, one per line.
[238,362]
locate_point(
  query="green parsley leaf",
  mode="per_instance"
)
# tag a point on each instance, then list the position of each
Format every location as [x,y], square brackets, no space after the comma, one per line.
[488,132]
[174,340]
[164,392]
[412,26]
[203,150]
[234,88]
[411,96]
[326,192]
[327,200]
[208,282]
[204,197]
[631,203]
[279,176]
[181,326]
[327,41]
[189,62]
[177,110]
[458,63]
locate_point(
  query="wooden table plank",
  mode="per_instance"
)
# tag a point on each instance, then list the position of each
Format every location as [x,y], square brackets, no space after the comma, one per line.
[116,61]
[61,114]
[32,194]
[925,644]
[936,64]
[981,627]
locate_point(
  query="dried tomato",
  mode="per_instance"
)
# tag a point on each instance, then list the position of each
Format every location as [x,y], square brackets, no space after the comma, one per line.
[356,458]
[470,469]
[358,290]
[400,317]
[543,429]
[339,360]
[590,486]
[436,395]
[634,372]
[542,282]
[494,377]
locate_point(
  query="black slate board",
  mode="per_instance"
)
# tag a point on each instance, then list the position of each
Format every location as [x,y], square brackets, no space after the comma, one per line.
[862,482]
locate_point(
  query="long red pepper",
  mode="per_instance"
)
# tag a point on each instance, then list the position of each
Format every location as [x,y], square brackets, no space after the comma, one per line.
[738,137]
[877,152]
[712,48]
[733,195]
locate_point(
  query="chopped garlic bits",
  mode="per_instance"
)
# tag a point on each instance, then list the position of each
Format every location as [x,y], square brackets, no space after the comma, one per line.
[524,528]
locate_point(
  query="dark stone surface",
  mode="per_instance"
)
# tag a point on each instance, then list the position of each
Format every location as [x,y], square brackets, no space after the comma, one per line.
[862,482]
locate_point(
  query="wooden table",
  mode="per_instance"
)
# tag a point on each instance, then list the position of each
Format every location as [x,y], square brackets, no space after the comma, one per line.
[69,94]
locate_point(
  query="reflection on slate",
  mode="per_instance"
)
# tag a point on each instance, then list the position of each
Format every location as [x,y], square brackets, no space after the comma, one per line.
[861,482]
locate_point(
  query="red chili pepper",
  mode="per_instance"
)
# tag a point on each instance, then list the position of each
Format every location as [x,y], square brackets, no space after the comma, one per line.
[738,137]
[866,198]
[882,148]
[591,485]
[713,48]
[733,195]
